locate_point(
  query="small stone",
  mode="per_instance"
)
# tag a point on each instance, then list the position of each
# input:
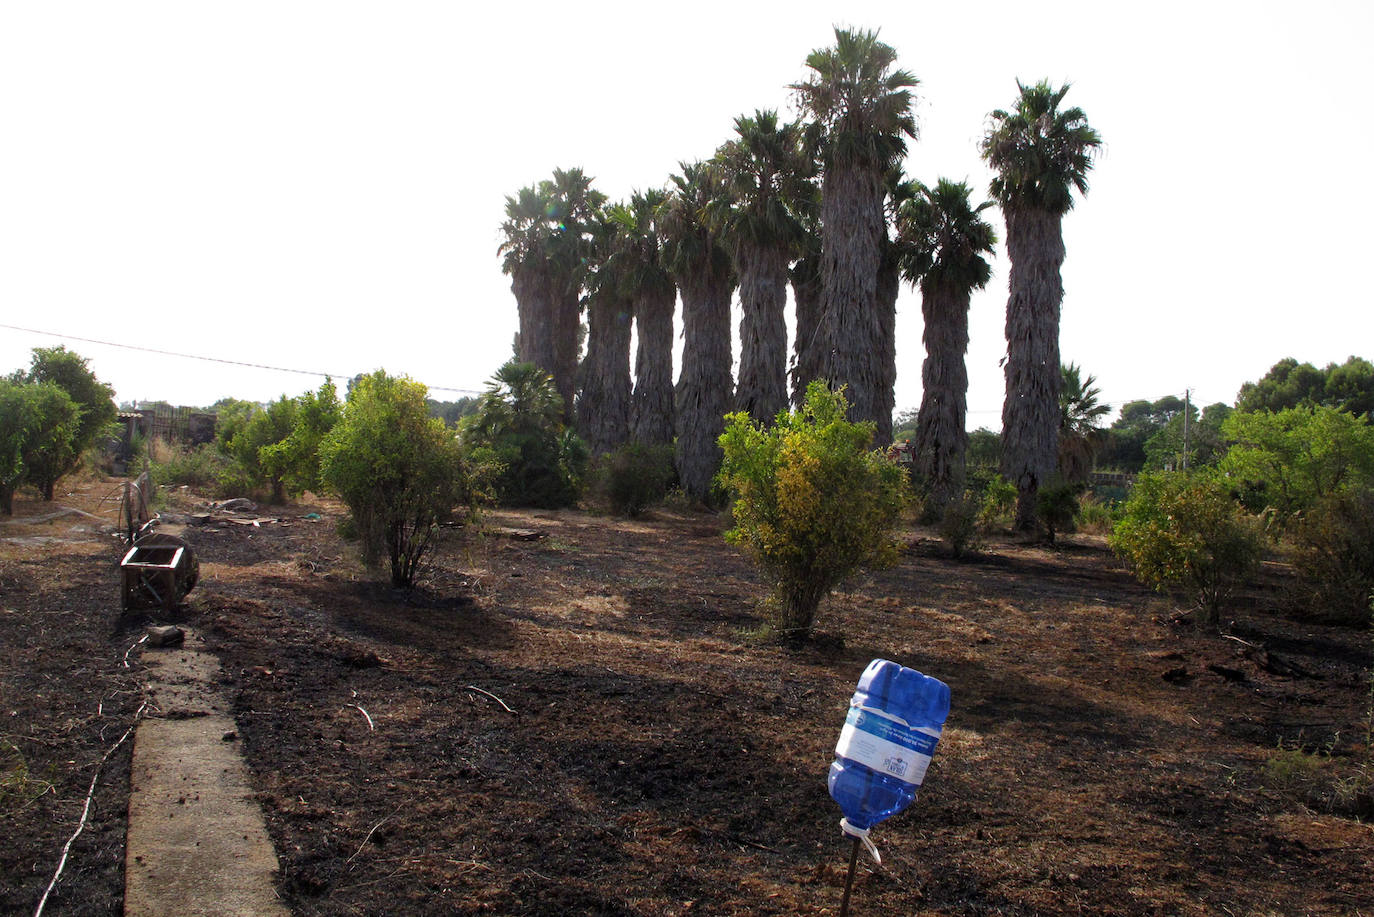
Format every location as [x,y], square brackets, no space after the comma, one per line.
[166,635]
[230,736]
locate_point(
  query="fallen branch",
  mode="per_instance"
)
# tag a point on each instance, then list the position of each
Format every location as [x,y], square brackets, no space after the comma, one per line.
[86,810]
[141,640]
[493,697]
[370,727]
[370,833]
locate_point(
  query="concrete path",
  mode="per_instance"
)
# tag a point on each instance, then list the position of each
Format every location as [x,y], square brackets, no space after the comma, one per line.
[197,842]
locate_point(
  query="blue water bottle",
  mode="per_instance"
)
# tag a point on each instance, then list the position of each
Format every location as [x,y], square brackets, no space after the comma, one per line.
[889,735]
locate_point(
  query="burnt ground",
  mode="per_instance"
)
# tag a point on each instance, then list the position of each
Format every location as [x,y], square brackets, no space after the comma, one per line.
[659,757]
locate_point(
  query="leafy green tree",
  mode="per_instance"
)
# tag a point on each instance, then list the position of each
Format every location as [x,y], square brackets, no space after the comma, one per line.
[38,423]
[450,412]
[399,471]
[860,105]
[295,460]
[1287,461]
[1183,529]
[231,418]
[1139,421]
[52,431]
[519,428]
[813,505]
[945,239]
[252,447]
[1205,446]
[15,423]
[95,400]
[1348,387]
[1041,154]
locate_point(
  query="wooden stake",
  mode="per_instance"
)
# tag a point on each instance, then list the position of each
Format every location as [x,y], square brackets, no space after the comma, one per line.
[849,879]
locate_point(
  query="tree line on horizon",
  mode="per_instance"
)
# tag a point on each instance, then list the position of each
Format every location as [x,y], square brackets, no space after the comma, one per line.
[819,204]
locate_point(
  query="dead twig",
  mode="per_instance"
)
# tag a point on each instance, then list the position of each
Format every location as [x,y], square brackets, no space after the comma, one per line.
[366,716]
[374,827]
[141,640]
[493,697]
[86,809]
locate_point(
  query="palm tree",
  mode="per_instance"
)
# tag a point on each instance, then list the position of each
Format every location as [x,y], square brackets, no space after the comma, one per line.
[701,267]
[888,288]
[651,289]
[603,409]
[574,211]
[805,276]
[862,109]
[1041,154]
[944,238]
[758,169]
[526,258]
[1080,429]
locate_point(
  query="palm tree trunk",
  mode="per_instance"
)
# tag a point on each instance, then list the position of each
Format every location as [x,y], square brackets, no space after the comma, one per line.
[941,437]
[603,411]
[652,403]
[889,286]
[566,313]
[1030,413]
[806,293]
[853,225]
[704,387]
[534,300]
[762,388]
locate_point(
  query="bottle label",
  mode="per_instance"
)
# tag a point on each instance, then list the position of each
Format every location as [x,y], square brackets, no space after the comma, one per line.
[886,745]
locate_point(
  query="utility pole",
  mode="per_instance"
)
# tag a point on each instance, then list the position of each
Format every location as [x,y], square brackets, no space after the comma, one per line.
[1187,409]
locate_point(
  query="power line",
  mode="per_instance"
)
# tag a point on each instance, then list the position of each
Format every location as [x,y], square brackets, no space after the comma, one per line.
[194,356]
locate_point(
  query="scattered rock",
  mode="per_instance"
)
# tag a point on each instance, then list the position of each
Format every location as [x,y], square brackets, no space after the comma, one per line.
[518,534]
[1175,675]
[229,736]
[166,635]
[236,505]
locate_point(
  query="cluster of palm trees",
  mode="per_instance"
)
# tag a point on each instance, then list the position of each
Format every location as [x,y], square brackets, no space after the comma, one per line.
[819,204]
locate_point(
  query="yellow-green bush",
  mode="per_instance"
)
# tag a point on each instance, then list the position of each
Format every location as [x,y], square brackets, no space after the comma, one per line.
[813,503]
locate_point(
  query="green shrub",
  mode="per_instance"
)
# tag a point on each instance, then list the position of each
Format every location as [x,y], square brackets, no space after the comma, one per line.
[295,459]
[1094,516]
[634,477]
[37,436]
[959,525]
[94,400]
[399,471]
[1056,506]
[1333,556]
[1289,460]
[203,468]
[813,505]
[50,447]
[998,502]
[1183,529]
[518,431]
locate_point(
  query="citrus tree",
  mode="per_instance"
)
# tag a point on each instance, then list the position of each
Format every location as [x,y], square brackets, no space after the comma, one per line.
[1182,529]
[398,470]
[813,505]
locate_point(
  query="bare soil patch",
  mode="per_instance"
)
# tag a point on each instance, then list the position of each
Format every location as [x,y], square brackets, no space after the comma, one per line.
[660,759]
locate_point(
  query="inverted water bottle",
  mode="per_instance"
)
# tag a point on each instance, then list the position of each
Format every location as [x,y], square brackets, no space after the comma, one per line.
[894,722]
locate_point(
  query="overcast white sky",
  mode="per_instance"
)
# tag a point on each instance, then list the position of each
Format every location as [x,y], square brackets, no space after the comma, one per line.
[320,185]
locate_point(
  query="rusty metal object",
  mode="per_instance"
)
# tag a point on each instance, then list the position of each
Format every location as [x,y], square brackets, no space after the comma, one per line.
[157,571]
